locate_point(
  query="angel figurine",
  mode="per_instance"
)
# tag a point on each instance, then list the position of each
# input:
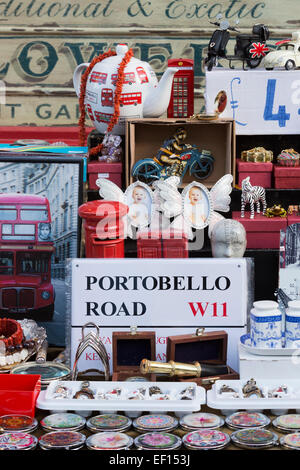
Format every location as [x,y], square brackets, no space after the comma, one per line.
[196,207]
[139,199]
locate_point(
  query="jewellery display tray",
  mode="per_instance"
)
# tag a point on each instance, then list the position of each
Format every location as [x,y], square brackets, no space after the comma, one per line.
[245,343]
[47,402]
[222,402]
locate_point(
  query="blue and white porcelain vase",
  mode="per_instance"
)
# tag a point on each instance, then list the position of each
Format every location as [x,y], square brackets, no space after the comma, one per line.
[266,325]
[292,324]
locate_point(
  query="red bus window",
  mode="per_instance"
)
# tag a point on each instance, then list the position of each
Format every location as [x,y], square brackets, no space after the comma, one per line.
[34,214]
[8,213]
[29,263]
[6,263]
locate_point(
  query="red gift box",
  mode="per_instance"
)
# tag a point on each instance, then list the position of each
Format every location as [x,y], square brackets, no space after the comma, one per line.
[260,173]
[111,171]
[293,219]
[287,177]
[262,231]
[18,394]
[169,244]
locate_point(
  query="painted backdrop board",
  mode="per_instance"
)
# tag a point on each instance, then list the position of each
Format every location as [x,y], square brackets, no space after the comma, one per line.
[168,296]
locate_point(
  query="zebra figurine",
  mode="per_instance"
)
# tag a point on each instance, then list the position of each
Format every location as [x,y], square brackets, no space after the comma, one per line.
[252,195]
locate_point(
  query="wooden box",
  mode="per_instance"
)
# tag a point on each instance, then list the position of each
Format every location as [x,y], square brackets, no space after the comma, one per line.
[204,347]
[144,138]
[129,348]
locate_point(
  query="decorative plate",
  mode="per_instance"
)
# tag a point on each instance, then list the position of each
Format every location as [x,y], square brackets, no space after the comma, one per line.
[158,441]
[254,437]
[247,419]
[291,441]
[206,439]
[289,422]
[245,342]
[109,440]
[62,440]
[108,422]
[17,423]
[63,421]
[17,441]
[155,422]
[201,420]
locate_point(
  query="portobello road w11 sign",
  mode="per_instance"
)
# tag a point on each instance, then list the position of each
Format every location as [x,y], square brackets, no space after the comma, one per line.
[165,295]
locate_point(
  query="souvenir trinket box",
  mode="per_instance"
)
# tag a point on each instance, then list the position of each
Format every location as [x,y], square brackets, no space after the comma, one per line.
[129,348]
[286,177]
[204,347]
[155,422]
[254,438]
[109,441]
[17,441]
[157,441]
[287,423]
[260,173]
[247,419]
[20,423]
[109,422]
[289,158]
[206,439]
[195,421]
[257,154]
[291,441]
[111,171]
[63,422]
[62,440]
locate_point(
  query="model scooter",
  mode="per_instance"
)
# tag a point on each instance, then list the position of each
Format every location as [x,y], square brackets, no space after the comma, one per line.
[249,48]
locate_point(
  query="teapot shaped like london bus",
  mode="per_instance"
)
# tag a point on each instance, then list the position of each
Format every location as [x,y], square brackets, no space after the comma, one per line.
[142,95]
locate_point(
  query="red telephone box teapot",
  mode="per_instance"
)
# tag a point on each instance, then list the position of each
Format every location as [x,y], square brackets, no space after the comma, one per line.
[140,95]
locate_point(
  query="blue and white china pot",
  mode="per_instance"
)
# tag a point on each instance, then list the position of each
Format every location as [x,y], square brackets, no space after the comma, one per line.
[266,325]
[292,324]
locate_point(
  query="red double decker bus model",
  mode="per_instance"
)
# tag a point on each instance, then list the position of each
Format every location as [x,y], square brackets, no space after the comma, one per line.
[142,74]
[102,117]
[107,97]
[130,98]
[98,77]
[26,247]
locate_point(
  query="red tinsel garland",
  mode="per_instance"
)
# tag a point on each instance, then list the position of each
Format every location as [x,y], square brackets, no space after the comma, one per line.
[120,82]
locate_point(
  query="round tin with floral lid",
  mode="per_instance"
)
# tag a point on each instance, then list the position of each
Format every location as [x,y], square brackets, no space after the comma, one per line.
[254,438]
[287,423]
[58,440]
[109,422]
[63,422]
[13,423]
[195,421]
[17,441]
[247,419]
[157,441]
[109,441]
[155,422]
[205,439]
[291,441]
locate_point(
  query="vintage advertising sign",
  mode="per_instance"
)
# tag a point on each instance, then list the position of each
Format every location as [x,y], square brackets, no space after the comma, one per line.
[166,295]
[260,101]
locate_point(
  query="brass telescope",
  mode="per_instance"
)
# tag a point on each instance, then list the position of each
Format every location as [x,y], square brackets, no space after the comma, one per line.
[172,368]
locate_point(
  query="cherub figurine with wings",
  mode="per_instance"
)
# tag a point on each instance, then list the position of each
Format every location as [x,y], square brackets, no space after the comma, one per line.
[196,207]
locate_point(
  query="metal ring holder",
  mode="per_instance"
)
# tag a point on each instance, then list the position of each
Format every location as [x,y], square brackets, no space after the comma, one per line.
[93,341]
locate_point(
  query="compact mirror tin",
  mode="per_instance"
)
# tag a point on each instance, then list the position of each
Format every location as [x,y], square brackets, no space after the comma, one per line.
[15,423]
[109,441]
[63,422]
[254,438]
[48,371]
[291,441]
[157,441]
[108,423]
[17,441]
[62,440]
[194,421]
[206,439]
[247,419]
[155,422]
[287,423]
